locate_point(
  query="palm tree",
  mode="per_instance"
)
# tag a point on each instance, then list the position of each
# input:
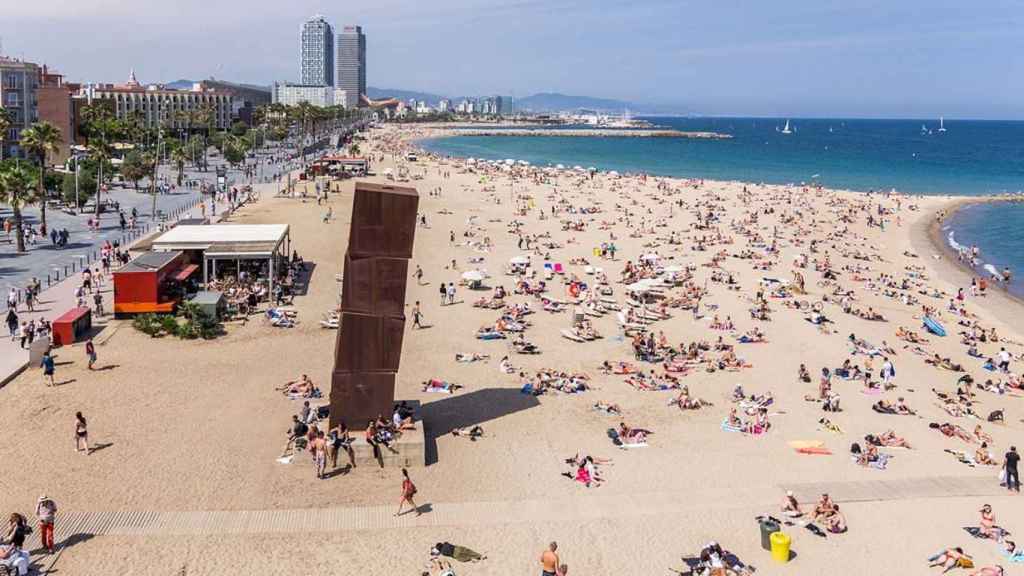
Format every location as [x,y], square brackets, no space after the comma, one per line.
[5,124]
[16,192]
[179,155]
[99,150]
[42,139]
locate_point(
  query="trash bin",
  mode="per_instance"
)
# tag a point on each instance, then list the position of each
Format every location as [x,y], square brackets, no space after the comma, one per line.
[768,527]
[780,547]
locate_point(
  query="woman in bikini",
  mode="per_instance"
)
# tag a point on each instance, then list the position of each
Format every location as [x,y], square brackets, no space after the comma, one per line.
[81,434]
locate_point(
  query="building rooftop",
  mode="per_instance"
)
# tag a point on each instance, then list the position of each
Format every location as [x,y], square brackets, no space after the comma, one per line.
[224,238]
[150,262]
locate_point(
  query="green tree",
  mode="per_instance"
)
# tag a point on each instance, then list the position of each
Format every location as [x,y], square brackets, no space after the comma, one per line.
[239,129]
[16,192]
[42,139]
[135,168]
[234,150]
[5,124]
[86,187]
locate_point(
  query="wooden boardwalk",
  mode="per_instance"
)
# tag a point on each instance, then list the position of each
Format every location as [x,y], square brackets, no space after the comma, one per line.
[340,519]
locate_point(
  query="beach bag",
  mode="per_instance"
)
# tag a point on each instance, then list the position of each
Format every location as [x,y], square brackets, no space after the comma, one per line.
[1002,476]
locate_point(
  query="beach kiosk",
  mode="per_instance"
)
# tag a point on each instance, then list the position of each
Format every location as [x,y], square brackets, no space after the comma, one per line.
[212,303]
[230,248]
[151,283]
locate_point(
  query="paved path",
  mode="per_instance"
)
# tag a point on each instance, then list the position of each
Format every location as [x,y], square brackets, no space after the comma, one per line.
[304,521]
[60,297]
[43,260]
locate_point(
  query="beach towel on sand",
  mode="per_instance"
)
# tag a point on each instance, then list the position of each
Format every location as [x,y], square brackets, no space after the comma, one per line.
[797,444]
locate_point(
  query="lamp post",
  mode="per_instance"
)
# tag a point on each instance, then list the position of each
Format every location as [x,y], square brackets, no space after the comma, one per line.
[78,170]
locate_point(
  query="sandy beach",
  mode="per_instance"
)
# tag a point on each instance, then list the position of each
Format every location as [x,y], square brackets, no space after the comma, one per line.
[187,480]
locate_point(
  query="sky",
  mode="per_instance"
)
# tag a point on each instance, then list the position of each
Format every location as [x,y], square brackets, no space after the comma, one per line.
[782,58]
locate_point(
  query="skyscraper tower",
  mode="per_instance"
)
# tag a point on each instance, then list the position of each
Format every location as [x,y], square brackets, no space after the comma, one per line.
[316,59]
[350,75]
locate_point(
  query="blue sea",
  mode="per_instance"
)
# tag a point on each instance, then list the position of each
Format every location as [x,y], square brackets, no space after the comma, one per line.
[970,157]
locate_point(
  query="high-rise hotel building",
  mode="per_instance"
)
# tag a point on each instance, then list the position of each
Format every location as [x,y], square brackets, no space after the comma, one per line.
[350,74]
[316,53]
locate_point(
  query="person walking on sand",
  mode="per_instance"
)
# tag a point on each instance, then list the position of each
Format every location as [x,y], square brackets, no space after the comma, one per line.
[319,449]
[1010,466]
[48,368]
[451,293]
[444,294]
[90,352]
[550,563]
[81,434]
[419,275]
[417,316]
[408,491]
[46,512]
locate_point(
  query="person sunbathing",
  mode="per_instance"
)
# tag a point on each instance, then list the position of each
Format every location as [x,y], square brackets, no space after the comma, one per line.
[685,402]
[790,507]
[951,558]
[471,433]
[303,386]
[474,357]
[996,570]
[981,435]
[889,438]
[951,430]
[901,407]
[984,457]
[630,435]
[608,407]
[987,526]
[836,522]
[435,385]
[803,375]
[506,366]
[824,508]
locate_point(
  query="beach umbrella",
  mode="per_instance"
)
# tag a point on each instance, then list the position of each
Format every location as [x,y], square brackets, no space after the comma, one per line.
[471,161]
[524,163]
[473,275]
[613,174]
[578,168]
[519,260]
[592,169]
[650,257]
[640,286]
[560,166]
[509,161]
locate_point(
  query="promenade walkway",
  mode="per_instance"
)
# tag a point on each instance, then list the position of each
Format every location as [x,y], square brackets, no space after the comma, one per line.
[340,519]
[60,297]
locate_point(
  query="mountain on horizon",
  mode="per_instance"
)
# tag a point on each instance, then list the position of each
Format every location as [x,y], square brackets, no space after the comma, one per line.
[544,102]
[184,84]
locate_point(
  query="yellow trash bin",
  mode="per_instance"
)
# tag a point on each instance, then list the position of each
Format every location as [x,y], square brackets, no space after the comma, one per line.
[597,252]
[780,546]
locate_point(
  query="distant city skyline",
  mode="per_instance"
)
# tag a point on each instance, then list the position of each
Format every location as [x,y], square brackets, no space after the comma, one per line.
[863,58]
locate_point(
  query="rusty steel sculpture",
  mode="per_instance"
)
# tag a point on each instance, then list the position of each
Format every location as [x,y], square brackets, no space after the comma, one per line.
[369,345]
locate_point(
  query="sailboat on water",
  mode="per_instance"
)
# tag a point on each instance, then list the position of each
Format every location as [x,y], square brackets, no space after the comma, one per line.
[942,127]
[786,129]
